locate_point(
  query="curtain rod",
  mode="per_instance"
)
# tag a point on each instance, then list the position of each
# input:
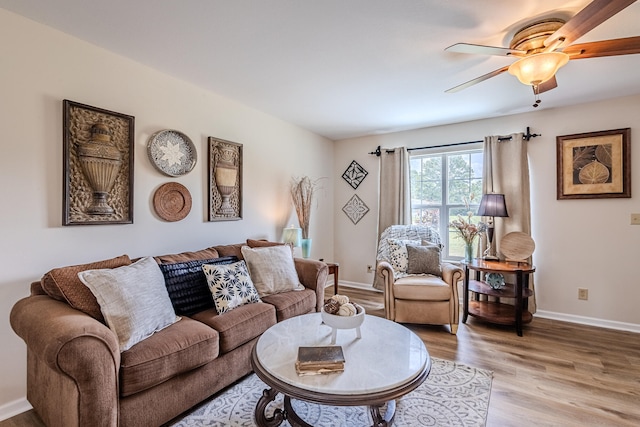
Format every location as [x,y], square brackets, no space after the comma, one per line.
[527,136]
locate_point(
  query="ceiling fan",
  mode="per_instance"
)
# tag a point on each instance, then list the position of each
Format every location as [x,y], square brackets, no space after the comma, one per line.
[544,46]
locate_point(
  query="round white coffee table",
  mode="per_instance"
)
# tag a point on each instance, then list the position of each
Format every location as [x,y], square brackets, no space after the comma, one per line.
[388,362]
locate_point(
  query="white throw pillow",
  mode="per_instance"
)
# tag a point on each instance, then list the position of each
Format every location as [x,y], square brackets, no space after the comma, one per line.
[398,257]
[230,285]
[133,299]
[272,269]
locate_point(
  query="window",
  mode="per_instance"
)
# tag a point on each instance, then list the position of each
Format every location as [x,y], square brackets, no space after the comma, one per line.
[444,185]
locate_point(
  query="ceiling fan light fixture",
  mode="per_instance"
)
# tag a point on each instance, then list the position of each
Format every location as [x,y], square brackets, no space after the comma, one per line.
[538,68]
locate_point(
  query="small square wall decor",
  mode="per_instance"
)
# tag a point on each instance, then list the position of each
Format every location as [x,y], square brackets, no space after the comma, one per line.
[354,174]
[355,209]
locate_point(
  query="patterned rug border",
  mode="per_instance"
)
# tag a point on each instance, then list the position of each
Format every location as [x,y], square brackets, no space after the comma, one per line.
[454,394]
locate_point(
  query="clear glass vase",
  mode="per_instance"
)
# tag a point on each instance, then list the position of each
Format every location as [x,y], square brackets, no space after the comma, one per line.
[468,251]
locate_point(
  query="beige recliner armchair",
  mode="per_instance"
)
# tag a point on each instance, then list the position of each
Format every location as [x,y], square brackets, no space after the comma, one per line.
[411,294]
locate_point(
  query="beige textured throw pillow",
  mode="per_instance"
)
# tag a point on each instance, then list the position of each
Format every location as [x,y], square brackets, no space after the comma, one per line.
[133,299]
[272,269]
[424,260]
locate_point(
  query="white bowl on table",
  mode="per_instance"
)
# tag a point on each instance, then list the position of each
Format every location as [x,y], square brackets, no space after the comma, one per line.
[344,322]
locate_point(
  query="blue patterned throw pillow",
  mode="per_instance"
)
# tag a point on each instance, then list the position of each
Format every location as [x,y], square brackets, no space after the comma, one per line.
[230,285]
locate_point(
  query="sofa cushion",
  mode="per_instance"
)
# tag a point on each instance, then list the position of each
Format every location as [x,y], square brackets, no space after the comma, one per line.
[424,260]
[240,325]
[252,243]
[272,269]
[63,284]
[421,288]
[133,300]
[290,304]
[179,348]
[187,284]
[187,256]
[230,285]
[230,250]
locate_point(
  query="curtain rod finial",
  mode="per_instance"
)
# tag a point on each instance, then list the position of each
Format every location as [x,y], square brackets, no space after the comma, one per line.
[377,152]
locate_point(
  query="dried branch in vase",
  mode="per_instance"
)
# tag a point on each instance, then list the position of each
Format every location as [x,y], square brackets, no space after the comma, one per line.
[302,190]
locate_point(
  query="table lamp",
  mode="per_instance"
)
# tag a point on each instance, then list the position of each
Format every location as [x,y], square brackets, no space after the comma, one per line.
[492,205]
[292,235]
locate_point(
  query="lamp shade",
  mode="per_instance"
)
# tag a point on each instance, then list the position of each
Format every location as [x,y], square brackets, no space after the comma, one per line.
[538,68]
[493,205]
[292,235]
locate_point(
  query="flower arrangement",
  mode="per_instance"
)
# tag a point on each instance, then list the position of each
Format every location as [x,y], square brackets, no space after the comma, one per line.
[467,230]
[302,190]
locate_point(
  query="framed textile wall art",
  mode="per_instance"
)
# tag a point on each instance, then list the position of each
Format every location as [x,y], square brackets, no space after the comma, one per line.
[354,174]
[225,180]
[355,209]
[98,166]
[594,165]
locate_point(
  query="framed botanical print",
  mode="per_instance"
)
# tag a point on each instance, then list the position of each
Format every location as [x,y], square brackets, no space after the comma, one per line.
[594,165]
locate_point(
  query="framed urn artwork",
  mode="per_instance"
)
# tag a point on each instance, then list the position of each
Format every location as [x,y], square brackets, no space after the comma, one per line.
[225,180]
[98,165]
[594,165]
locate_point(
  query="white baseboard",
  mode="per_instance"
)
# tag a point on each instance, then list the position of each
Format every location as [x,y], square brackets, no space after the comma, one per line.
[14,408]
[591,321]
[358,285]
[582,320]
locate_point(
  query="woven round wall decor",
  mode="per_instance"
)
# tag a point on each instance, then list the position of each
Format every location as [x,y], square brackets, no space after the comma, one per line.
[172,201]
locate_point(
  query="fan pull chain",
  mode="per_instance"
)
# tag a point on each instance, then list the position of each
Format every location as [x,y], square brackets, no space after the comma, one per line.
[536,94]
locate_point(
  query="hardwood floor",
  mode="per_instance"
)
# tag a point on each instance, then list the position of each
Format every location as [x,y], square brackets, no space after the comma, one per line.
[557,374]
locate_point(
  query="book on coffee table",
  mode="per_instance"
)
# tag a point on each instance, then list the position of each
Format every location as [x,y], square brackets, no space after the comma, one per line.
[320,360]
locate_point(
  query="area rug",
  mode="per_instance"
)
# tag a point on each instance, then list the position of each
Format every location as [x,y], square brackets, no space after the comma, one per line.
[453,395]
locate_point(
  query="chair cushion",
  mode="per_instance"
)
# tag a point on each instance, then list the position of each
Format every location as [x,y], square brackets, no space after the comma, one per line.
[230,286]
[398,257]
[240,325]
[187,284]
[290,304]
[179,348]
[424,260]
[63,284]
[422,287]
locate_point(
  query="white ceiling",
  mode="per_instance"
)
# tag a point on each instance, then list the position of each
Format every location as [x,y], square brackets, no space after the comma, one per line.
[345,68]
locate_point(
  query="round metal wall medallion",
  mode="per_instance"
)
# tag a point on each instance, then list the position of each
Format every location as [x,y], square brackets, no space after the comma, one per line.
[172,152]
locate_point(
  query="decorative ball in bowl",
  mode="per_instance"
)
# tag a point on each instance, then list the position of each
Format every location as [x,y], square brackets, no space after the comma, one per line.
[344,322]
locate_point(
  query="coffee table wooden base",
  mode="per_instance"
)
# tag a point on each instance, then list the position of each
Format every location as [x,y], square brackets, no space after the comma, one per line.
[289,414]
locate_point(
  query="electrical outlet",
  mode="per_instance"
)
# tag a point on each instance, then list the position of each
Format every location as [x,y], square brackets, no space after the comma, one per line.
[635,219]
[369,269]
[583,293]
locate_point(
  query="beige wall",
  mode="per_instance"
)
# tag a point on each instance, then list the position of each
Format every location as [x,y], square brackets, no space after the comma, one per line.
[579,243]
[40,68]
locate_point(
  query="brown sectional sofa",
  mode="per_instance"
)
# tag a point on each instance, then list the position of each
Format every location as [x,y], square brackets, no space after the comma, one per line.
[77,375]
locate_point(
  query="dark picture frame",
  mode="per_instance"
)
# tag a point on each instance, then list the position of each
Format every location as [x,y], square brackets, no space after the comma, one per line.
[594,165]
[98,165]
[225,180]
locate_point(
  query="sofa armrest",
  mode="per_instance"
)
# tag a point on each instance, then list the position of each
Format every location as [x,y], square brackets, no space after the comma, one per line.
[313,275]
[76,348]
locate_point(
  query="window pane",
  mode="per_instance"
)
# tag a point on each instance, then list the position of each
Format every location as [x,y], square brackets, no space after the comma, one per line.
[426,180]
[426,216]
[442,186]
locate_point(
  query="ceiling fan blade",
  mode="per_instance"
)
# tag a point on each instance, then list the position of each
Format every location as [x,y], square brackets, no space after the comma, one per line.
[552,83]
[594,14]
[477,80]
[624,46]
[484,50]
